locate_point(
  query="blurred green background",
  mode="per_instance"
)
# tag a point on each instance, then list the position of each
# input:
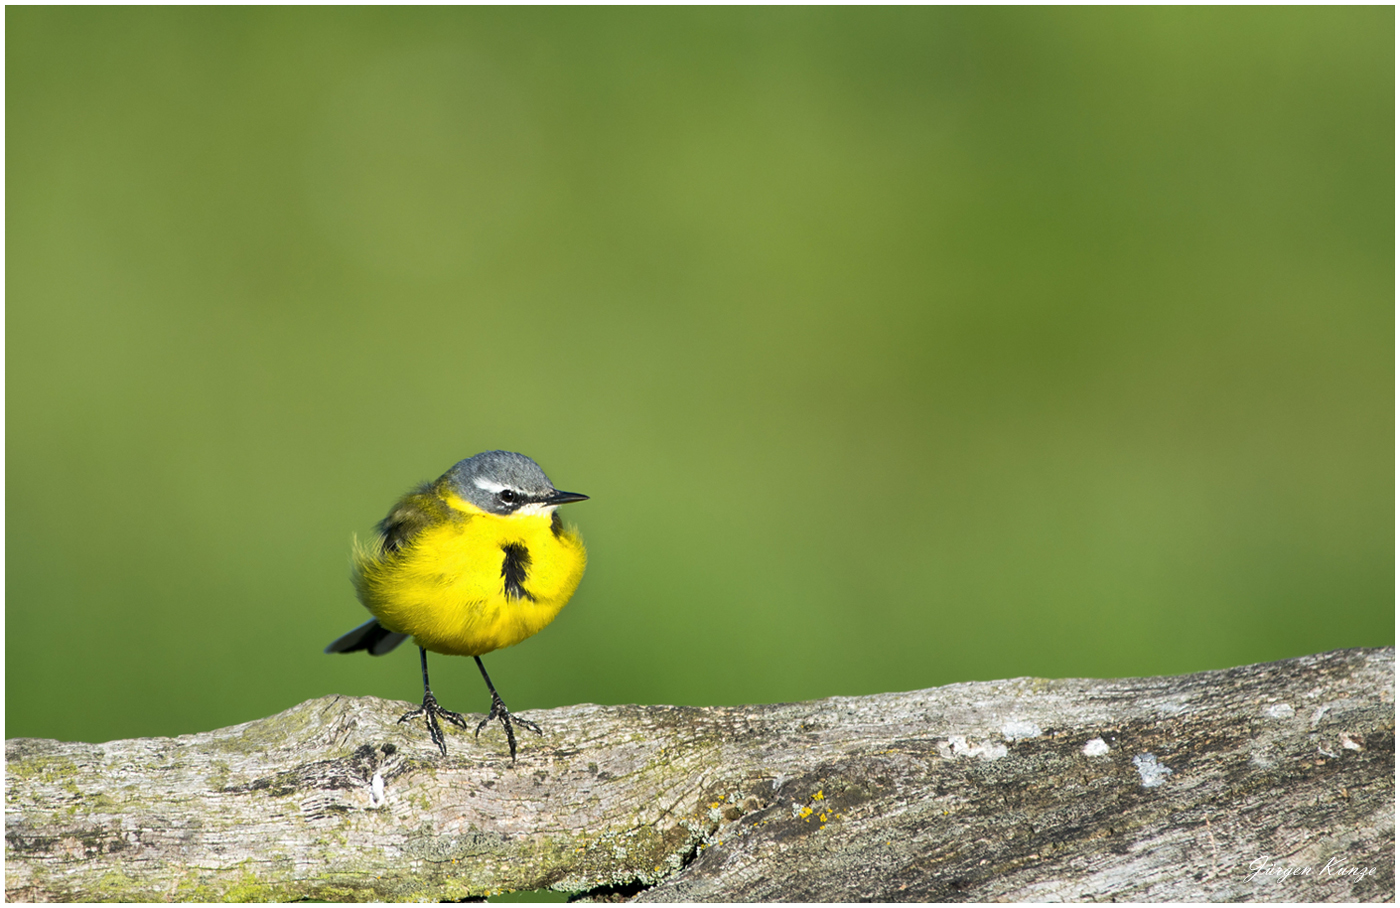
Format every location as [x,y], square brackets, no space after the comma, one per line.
[896,347]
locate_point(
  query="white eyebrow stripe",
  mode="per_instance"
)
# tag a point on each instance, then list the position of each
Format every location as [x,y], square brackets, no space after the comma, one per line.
[487,485]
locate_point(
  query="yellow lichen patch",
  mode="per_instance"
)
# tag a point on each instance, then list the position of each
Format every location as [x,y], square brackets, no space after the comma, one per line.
[816,806]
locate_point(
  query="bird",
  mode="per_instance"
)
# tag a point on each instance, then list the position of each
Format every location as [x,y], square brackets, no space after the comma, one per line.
[475,561]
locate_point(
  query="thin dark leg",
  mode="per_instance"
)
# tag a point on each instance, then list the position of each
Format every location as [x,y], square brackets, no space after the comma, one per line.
[431,711]
[499,711]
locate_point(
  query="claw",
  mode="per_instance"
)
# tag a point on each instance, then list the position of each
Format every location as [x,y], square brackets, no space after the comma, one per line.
[499,711]
[430,710]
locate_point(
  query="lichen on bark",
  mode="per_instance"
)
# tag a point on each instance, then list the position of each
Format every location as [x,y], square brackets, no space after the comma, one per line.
[1265,782]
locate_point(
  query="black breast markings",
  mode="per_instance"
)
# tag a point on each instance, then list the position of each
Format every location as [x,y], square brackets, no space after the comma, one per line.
[515,569]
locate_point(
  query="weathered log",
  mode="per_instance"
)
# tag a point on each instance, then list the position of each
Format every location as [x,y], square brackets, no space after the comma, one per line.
[1267,782]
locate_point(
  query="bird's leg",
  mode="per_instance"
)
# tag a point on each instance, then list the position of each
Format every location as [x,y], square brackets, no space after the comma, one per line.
[431,711]
[499,711]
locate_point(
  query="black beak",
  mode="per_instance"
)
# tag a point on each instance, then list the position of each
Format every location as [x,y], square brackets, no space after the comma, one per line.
[564,497]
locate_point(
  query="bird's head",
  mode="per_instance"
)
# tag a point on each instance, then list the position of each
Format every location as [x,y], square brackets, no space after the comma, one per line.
[503,482]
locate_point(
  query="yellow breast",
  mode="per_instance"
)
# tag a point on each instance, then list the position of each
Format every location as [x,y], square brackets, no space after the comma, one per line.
[473,582]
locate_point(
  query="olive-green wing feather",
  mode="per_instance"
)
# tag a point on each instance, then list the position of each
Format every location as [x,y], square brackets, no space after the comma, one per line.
[421,508]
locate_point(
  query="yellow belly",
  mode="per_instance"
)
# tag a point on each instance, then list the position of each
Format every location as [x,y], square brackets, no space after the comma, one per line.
[447,587]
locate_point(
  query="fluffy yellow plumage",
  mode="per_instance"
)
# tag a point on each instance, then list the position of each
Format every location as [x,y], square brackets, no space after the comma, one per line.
[465,565]
[446,586]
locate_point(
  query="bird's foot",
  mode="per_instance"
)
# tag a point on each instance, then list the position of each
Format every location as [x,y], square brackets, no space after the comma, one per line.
[431,711]
[499,711]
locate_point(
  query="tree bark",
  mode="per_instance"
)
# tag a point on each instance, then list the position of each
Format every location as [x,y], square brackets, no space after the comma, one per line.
[1267,782]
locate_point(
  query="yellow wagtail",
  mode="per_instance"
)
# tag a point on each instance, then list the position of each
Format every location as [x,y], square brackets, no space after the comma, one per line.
[465,565]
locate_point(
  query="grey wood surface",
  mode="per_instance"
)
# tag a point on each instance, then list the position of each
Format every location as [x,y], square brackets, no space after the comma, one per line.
[1266,782]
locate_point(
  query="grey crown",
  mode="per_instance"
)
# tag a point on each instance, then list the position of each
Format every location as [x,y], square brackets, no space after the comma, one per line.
[522,478]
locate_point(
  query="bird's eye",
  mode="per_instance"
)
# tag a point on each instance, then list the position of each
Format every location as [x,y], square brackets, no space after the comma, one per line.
[507,496]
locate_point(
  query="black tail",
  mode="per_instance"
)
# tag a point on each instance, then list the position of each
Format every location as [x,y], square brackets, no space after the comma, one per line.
[371,636]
